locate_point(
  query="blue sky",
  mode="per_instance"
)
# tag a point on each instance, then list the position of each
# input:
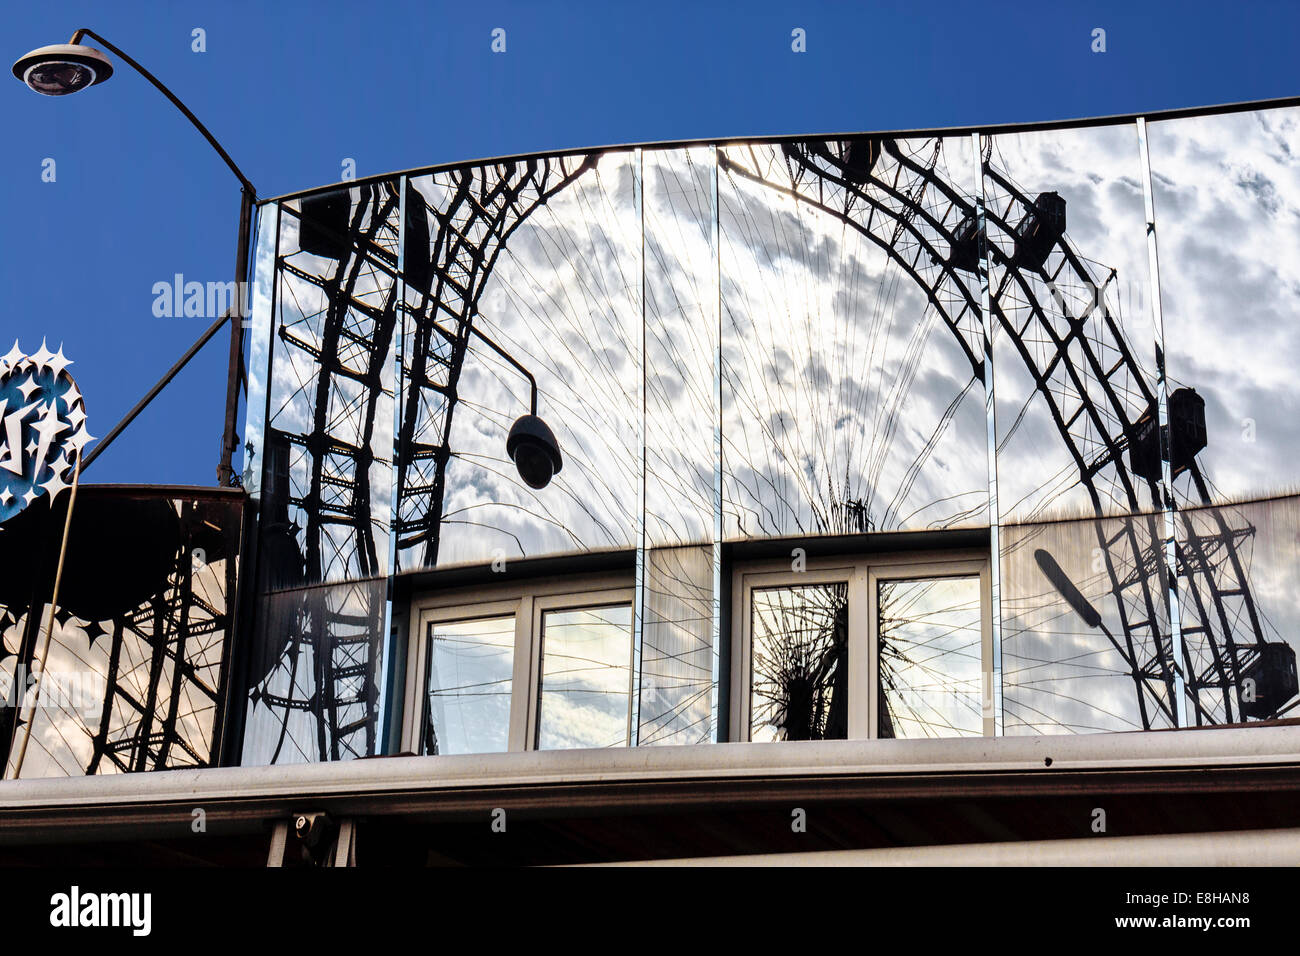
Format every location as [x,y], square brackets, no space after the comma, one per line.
[293,89]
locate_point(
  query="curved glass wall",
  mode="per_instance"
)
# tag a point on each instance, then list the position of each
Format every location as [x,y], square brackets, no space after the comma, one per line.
[794,341]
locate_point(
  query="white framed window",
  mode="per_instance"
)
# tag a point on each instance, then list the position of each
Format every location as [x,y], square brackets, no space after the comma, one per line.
[869,646]
[543,665]
[585,679]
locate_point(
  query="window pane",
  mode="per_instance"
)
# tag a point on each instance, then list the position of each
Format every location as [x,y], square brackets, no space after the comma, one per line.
[586,678]
[930,658]
[800,663]
[470,668]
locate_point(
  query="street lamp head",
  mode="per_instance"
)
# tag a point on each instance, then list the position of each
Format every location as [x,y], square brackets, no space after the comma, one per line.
[531,445]
[63,68]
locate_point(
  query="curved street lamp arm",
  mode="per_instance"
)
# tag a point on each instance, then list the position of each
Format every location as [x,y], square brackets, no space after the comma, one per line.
[511,359]
[235,369]
[243,180]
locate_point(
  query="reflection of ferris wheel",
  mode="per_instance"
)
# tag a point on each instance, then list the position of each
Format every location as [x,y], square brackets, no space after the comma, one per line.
[329,470]
[152,630]
[801,664]
[327,484]
[1048,307]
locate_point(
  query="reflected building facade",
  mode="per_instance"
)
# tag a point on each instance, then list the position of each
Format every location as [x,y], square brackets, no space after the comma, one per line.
[866,437]
[851,348]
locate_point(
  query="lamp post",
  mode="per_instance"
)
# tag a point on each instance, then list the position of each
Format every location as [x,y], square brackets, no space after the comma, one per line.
[531,444]
[71,67]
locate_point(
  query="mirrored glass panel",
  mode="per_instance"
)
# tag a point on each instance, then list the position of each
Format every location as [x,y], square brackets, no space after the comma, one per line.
[328,442]
[468,686]
[1086,644]
[681,344]
[1073,338]
[677,687]
[1227,199]
[929,646]
[1240,610]
[315,673]
[258,330]
[852,348]
[586,684]
[681,419]
[531,272]
[326,475]
[799,663]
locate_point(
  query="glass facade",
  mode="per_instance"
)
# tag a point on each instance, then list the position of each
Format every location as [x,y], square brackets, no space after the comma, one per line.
[1074,337]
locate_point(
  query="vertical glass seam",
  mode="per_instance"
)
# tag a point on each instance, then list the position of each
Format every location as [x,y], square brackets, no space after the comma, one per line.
[991,434]
[638,603]
[1162,422]
[716,301]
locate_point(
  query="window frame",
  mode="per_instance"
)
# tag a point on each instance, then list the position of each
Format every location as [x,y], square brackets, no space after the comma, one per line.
[576,601]
[526,600]
[862,574]
[417,711]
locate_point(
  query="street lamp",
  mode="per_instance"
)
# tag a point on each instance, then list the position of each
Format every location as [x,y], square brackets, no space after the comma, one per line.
[531,444]
[63,68]
[71,67]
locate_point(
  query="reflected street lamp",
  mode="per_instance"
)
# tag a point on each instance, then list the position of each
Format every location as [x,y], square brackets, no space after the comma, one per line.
[531,444]
[1065,587]
[1081,606]
[71,67]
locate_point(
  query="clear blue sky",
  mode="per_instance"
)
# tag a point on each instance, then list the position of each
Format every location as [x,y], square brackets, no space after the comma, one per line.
[293,88]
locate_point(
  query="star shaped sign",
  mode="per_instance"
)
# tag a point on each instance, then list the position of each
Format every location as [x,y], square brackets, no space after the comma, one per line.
[42,427]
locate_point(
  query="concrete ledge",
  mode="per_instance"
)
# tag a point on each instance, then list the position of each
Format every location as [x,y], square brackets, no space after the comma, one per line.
[1248,848]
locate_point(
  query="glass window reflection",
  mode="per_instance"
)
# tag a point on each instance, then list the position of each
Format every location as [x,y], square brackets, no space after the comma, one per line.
[929,641]
[1226,190]
[470,669]
[677,689]
[799,686]
[586,678]
[1082,634]
[1073,339]
[852,376]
